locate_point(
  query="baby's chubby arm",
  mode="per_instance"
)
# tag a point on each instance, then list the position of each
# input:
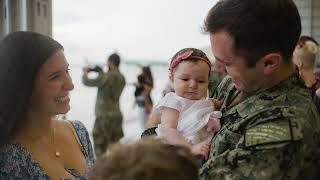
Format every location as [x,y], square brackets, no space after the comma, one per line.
[168,128]
[169,118]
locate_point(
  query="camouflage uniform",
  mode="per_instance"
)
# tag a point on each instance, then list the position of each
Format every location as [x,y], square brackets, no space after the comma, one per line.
[270,135]
[108,125]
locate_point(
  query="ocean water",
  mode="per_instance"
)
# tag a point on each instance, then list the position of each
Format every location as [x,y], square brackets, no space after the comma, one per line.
[83,98]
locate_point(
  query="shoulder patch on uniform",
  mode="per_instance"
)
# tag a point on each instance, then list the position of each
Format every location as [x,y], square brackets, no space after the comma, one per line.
[268,133]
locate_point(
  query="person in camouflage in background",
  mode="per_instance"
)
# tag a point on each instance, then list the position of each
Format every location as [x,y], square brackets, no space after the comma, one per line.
[108,124]
[270,127]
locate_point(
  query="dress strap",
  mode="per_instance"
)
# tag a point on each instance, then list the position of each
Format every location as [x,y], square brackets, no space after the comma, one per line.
[77,138]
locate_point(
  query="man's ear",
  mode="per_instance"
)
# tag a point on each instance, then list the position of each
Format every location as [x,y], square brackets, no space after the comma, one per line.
[271,62]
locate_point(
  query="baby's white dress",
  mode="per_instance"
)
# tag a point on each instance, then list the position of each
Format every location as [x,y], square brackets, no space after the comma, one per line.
[194,115]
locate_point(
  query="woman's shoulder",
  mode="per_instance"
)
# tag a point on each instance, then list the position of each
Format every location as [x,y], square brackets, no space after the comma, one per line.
[78,128]
[78,125]
[84,138]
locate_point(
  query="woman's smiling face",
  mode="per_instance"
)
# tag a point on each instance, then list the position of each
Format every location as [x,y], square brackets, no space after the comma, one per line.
[52,85]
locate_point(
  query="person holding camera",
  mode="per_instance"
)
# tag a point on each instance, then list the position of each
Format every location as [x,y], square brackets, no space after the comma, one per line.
[108,124]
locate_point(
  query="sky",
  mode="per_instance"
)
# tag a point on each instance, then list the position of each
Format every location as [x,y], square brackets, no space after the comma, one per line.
[148,30]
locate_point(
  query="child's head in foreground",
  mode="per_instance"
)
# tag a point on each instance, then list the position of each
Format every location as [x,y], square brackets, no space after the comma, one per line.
[189,73]
[147,159]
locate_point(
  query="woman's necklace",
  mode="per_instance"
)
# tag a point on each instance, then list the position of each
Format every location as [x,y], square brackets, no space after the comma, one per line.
[57,153]
[31,141]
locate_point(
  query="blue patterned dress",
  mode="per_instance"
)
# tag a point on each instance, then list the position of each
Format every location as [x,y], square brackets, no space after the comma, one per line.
[17,163]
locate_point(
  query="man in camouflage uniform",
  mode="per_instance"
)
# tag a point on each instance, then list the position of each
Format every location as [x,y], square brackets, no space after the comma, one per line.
[108,124]
[270,127]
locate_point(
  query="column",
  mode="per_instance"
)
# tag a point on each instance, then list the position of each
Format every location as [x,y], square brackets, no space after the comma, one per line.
[2,19]
[39,16]
[6,17]
[16,15]
[30,15]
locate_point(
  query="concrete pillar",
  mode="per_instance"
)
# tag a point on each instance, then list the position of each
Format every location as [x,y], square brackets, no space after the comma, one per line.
[6,17]
[2,16]
[49,18]
[39,16]
[30,14]
[16,15]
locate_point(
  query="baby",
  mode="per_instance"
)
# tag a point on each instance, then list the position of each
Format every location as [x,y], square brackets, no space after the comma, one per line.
[187,117]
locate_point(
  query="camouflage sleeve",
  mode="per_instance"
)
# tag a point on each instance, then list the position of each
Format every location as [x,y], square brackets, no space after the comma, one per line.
[266,149]
[243,164]
[220,91]
[99,81]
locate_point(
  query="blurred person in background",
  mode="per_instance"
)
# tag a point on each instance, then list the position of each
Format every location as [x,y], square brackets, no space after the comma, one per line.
[108,124]
[143,100]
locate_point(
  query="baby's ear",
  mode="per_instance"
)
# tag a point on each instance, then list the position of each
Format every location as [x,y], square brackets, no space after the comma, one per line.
[171,76]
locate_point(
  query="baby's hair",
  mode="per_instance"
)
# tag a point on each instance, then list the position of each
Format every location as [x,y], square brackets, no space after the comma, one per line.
[308,52]
[195,55]
[146,159]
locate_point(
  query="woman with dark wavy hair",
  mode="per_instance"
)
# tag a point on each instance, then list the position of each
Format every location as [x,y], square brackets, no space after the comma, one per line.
[35,86]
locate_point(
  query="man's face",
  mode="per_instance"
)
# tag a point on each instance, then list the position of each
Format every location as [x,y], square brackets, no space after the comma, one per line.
[245,79]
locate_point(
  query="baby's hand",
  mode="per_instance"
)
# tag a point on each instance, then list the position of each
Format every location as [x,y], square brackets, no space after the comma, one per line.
[214,122]
[201,149]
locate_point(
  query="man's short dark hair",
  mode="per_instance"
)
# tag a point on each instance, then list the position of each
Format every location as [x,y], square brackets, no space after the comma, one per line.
[114,59]
[258,27]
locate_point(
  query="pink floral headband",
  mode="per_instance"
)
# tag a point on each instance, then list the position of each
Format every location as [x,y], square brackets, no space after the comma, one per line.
[184,56]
